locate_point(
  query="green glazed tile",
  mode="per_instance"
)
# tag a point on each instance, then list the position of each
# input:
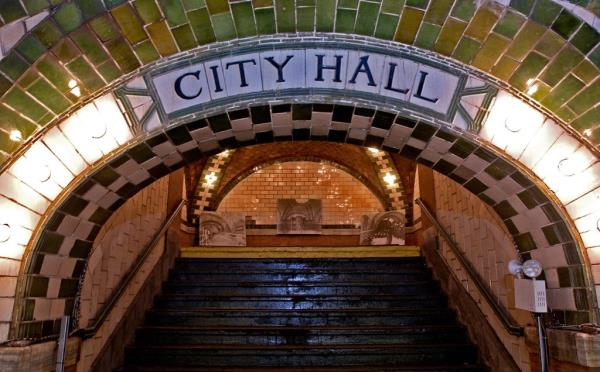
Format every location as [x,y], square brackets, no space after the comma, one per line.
[466,50]
[51,97]
[13,65]
[122,54]
[586,38]
[285,15]
[566,24]
[523,6]
[509,24]
[65,50]
[566,60]
[504,68]
[184,37]
[306,19]
[348,4]
[217,6]
[146,52]
[193,4]
[594,56]
[427,35]
[11,10]
[109,70]
[367,13]
[438,11]
[47,33]
[5,85]
[386,26]
[10,119]
[325,15]
[490,52]
[422,4]
[449,36]
[201,26]
[110,4]
[68,17]
[104,28]
[22,103]
[525,40]
[162,38]
[564,91]
[91,8]
[586,71]
[566,114]
[464,9]
[590,119]
[303,3]
[6,144]
[128,22]
[481,24]
[542,91]
[31,48]
[344,22]
[34,6]
[262,3]
[392,6]
[173,11]
[223,26]
[28,78]
[243,17]
[409,25]
[265,21]
[529,69]
[550,43]
[54,72]
[587,98]
[148,10]
[89,45]
[86,74]
[545,12]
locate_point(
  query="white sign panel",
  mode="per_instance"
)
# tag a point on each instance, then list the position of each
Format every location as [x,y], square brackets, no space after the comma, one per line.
[277,70]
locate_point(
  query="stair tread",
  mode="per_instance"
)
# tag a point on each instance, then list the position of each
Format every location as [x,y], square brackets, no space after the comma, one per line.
[380,368]
[361,347]
[302,328]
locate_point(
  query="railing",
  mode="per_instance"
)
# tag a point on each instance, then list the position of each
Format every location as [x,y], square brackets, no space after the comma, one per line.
[506,319]
[116,295]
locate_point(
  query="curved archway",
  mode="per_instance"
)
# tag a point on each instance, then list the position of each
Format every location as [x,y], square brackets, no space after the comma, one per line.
[139,151]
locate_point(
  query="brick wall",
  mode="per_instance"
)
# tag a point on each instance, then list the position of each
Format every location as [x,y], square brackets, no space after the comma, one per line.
[484,240]
[344,198]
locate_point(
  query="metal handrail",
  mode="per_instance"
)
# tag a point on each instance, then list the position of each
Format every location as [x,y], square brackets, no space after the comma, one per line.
[507,320]
[116,295]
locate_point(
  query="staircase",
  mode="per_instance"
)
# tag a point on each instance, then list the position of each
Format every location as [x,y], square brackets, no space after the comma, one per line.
[367,314]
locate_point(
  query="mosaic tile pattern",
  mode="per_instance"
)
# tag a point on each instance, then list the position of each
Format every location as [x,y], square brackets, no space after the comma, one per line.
[534,222]
[94,43]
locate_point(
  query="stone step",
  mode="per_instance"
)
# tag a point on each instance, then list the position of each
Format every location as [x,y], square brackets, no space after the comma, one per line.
[155,336]
[303,356]
[299,276]
[293,318]
[392,251]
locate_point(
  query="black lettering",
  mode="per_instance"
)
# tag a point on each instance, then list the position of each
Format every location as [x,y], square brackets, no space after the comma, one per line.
[419,93]
[216,78]
[240,65]
[279,67]
[363,66]
[321,67]
[178,90]
[390,80]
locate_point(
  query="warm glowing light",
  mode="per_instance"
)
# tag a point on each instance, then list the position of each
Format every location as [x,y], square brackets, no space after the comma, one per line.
[4,232]
[210,178]
[532,89]
[389,178]
[225,153]
[587,132]
[75,90]
[373,150]
[15,135]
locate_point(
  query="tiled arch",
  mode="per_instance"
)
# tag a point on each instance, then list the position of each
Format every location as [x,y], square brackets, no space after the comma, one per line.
[97,42]
[535,220]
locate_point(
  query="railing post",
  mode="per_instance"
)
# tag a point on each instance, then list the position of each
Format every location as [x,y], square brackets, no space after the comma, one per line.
[62,343]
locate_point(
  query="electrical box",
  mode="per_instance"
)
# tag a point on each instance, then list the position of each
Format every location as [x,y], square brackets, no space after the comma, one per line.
[530,295]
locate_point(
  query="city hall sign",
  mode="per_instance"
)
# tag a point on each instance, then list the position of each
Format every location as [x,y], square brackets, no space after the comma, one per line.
[279,70]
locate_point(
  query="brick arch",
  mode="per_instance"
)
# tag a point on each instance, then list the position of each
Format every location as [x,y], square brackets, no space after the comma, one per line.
[512,192]
[230,184]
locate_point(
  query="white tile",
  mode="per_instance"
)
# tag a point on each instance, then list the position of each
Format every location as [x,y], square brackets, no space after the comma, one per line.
[283,69]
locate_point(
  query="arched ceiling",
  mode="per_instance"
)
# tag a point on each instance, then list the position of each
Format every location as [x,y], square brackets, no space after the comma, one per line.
[93,43]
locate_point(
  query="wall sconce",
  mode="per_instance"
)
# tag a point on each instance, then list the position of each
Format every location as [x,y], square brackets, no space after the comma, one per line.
[4,232]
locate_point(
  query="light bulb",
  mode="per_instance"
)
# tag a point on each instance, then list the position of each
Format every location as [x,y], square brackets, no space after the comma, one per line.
[515,267]
[15,135]
[532,268]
